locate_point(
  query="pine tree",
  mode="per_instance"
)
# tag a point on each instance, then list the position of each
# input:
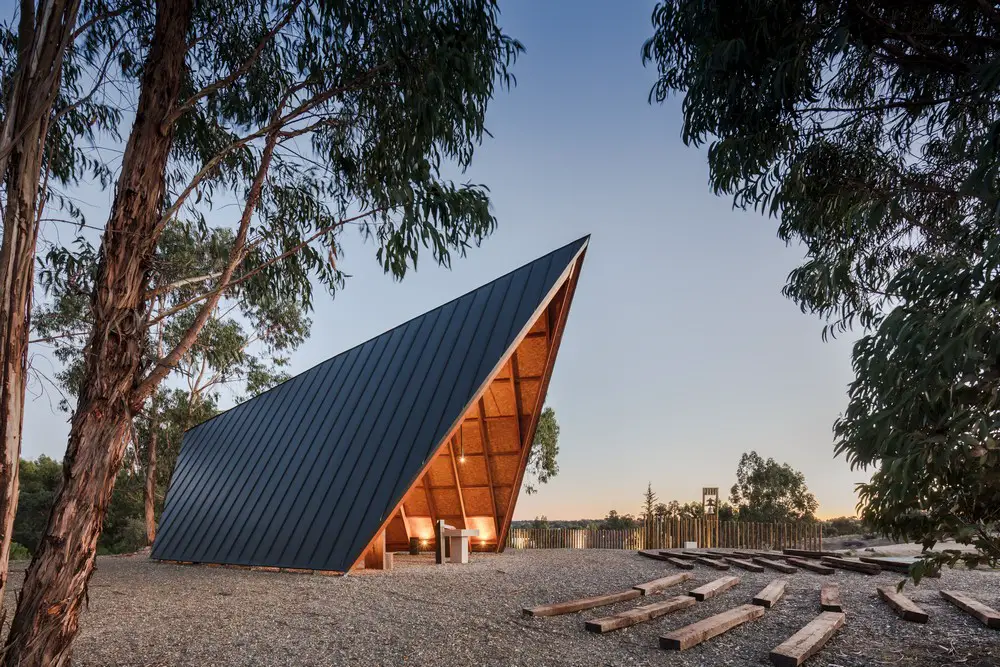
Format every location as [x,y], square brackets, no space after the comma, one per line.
[649,502]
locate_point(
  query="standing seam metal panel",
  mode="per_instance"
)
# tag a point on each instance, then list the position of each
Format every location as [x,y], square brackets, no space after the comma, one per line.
[347,526]
[367,356]
[225,543]
[222,482]
[280,517]
[302,475]
[205,460]
[217,530]
[328,509]
[226,547]
[237,435]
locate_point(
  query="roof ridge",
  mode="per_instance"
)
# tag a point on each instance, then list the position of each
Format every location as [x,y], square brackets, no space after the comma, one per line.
[583,240]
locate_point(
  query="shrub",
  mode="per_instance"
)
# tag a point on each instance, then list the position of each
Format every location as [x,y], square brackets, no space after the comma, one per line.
[843,525]
[19,552]
[131,537]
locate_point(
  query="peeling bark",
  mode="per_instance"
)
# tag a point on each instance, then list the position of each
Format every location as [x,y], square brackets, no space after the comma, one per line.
[55,584]
[43,37]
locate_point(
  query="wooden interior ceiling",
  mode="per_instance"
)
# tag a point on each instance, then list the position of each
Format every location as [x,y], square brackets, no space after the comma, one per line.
[474,478]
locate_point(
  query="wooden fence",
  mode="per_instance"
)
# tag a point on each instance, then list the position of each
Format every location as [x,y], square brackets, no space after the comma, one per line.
[674,533]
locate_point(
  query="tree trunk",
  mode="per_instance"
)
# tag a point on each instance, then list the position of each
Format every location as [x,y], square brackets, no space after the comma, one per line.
[55,584]
[150,494]
[42,41]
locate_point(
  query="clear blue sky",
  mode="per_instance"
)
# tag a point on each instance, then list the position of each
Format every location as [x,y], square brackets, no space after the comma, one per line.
[680,352]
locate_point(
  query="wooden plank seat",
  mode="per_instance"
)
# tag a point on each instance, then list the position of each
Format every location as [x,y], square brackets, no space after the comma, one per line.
[713,626]
[808,641]
[906,608]
[572,606]
[639,614]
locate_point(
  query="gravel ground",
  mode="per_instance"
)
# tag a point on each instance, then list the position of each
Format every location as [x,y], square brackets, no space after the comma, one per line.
[883,547]
[147,613]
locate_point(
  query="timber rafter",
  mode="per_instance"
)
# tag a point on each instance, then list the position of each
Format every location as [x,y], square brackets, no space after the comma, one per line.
[504,421]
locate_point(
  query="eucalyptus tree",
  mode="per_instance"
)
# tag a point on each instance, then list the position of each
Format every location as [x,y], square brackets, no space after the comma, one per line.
[156,442]
[308,117]
[54,62]
[243,346]
[869,130]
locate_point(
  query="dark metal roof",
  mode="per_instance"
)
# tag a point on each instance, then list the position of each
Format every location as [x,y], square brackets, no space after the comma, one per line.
[303,475]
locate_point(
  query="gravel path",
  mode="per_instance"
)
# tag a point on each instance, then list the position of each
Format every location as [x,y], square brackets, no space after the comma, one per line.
[147,613]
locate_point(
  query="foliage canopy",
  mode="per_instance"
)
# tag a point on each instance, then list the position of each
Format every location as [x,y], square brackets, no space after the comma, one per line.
[870,130]
[542,464]
[769,492]
[266,130]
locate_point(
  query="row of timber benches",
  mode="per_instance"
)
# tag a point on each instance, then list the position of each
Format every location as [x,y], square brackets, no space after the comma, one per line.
[793,651]
[788,561]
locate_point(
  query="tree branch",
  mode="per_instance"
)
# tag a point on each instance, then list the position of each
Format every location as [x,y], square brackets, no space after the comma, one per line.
[94,20]
[236,256]
[274,260]
[98,83]
[49,339]
[273,125]
[183,282]
[236,73]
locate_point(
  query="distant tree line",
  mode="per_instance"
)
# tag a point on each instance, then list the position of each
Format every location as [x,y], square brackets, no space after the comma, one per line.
[765,492]
[836,527]
[124,530]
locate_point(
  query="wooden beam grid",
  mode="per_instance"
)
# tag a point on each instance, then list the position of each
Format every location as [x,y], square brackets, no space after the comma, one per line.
[406,523]
[485,434]
[458,483]
[470,486]
[430,498]
[470,455]
[555,313]
[517,393]
[474,419]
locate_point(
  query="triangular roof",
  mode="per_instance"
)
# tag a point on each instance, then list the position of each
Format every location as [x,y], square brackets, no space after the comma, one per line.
[306,474]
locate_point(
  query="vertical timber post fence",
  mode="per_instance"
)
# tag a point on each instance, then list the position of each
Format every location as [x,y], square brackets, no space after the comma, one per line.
[672,533]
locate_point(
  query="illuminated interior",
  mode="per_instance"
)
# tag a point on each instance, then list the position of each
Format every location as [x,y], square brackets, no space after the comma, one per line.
[474,478]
